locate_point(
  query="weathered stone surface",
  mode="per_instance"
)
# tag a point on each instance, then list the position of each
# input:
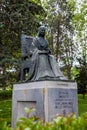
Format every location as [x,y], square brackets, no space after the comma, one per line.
[47,97]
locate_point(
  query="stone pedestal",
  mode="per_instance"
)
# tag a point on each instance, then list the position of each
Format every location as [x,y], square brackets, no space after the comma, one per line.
[47,97]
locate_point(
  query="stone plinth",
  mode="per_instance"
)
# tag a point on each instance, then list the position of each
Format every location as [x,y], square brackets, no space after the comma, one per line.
[47,97]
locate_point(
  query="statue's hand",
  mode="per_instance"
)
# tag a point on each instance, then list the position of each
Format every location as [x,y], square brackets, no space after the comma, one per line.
[42,52]
[46,51]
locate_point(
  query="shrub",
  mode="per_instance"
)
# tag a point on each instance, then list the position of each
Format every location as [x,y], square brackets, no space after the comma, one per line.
[71,122]
[5,94]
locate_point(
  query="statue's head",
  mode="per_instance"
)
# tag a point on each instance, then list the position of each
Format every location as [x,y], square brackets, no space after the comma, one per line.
[41,31]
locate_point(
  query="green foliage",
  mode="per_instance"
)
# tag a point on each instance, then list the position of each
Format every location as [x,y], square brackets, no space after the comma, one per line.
[71,122]
[80,76]
[61,31]
[74,72]
[82,104]
[4,126]
[80,23]
[5,111]
[5,94]
[15,17]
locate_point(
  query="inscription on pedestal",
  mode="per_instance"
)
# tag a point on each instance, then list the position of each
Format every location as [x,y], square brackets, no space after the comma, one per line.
[63,104]
[61,101]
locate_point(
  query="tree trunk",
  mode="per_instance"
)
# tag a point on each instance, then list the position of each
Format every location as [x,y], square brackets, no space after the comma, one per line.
[3,82]
[57,44]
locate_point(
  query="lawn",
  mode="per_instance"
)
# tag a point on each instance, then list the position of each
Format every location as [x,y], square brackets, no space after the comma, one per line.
[6,108]
[82,104]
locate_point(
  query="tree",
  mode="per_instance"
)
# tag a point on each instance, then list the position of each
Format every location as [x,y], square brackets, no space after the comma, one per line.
[80,76]
[15,17]
[59,17]
[80,23]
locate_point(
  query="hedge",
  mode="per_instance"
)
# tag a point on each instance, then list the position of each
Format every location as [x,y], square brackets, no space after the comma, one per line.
[71,122]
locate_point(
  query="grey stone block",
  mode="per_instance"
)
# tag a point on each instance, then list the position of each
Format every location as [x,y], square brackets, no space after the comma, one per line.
[49,98]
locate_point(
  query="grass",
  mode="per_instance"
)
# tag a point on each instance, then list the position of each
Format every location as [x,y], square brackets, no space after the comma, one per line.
[82,104]
[6,108]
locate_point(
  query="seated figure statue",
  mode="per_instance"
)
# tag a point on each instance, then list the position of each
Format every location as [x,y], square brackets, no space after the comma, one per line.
[42,63]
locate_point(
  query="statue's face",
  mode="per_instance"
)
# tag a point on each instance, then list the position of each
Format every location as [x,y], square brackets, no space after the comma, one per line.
[42,31]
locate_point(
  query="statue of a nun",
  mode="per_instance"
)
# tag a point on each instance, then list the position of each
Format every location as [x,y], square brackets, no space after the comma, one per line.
[42,63]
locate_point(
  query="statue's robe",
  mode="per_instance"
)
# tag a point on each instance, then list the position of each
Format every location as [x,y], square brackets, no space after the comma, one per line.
[42,63]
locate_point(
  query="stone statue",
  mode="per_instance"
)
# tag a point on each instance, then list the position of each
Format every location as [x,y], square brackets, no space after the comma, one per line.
[42,64]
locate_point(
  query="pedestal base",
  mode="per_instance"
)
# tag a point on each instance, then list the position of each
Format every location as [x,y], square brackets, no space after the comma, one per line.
[47,97]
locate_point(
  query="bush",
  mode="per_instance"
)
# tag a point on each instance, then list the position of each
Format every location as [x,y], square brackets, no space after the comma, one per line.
[71,122]
[4,94]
